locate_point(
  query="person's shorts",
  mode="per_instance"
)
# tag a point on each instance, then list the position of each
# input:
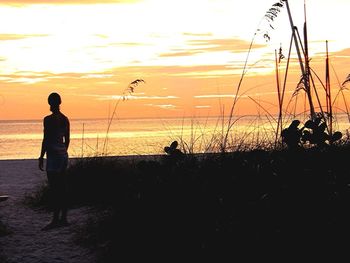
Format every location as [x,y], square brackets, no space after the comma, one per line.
[56,163]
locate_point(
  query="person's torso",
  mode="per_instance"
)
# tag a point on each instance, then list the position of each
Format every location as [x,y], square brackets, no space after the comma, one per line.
[56,128]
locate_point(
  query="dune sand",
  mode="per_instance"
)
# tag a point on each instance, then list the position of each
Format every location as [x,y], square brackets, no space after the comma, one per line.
[27,243]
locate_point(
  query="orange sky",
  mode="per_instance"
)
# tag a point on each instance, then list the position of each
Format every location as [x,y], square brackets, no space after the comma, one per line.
[189,52]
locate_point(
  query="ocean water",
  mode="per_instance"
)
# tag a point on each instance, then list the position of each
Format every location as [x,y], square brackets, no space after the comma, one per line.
[21,139]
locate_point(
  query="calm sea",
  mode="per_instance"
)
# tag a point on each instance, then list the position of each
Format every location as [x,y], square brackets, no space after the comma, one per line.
[22,139]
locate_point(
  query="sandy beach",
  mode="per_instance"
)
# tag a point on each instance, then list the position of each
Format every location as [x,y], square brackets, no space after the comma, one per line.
[27,243]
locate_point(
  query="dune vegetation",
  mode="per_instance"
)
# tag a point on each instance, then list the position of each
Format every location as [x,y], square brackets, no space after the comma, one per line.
[196,203]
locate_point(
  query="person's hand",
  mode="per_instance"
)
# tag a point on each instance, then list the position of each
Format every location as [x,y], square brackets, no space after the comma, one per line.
[41,163]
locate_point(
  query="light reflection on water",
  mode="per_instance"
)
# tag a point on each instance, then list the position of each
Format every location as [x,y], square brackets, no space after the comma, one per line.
[22,139]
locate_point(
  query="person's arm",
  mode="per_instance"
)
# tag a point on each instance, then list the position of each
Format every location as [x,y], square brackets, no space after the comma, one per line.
[43,149]
[67,135]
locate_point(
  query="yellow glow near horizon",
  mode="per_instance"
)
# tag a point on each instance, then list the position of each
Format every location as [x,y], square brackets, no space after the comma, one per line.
[87,49]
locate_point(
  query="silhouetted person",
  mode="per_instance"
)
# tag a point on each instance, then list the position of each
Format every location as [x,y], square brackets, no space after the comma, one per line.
[55,145]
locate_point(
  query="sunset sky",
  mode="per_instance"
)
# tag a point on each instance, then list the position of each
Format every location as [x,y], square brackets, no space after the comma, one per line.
[189,52]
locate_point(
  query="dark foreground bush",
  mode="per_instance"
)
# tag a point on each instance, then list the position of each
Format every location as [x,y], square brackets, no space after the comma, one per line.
[266,201]
[3,230]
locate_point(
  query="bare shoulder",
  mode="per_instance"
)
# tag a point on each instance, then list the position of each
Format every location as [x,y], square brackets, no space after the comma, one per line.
[65,118]
[47,118]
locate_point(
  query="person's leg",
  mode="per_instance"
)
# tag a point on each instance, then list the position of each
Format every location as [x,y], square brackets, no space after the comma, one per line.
[54,185]
[63,220]
[54,202]
[63,203]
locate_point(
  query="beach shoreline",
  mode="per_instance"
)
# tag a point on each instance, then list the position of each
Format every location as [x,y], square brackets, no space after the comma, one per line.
[122,157]
[24,161]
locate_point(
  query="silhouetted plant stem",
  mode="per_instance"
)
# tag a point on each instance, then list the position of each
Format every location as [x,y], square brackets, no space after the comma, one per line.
[104,149]
[341,91]
[82,143]
[236,95]
[304,68]
[328,94]
[279,95]
[128,90]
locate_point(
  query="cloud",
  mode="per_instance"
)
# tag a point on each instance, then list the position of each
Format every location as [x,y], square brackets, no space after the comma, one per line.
[19,36]
[25,77]
[131,97]
[173,70]
[162,106]
[225,44]
[96,76]
[65,2]
[28,77]
[345,53]
[197,46]
[25,80]
[180,54]
[126,44]
[114,83]
[197,71]
[198,34]
[202,107]
[214,96]
[256,94]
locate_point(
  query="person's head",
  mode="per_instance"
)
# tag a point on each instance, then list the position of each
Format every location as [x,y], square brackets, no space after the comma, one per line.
[54,101]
